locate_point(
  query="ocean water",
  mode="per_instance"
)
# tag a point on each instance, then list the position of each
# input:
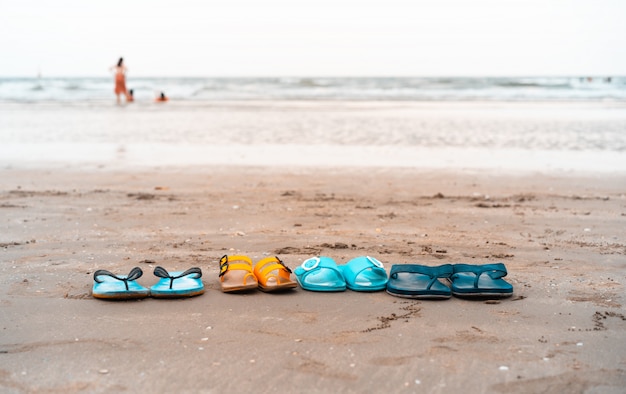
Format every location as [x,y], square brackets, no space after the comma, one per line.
[317,88]
[508,124]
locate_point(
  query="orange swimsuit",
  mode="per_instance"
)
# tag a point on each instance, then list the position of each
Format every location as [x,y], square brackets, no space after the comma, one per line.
[120,83]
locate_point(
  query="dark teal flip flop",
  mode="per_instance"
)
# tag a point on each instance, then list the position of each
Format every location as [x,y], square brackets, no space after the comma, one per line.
[109,286]
[177,284]
[364,273]
[419,281]
[320,274]
[480,281]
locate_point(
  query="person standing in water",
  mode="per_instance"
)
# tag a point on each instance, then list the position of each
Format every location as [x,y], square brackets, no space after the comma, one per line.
[120,79]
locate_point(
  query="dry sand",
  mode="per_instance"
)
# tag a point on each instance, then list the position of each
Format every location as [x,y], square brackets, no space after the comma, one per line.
[561,237]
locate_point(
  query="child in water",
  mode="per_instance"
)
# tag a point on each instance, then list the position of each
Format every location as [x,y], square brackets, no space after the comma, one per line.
[161,98]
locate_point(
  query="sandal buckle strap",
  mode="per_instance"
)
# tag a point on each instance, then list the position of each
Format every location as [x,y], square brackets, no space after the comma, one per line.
[375,261]
[279,261]
[310,264]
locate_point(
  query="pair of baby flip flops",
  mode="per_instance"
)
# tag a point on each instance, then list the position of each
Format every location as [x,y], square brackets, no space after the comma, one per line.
[420,281]
[359,274]
[237,274]
[125,287]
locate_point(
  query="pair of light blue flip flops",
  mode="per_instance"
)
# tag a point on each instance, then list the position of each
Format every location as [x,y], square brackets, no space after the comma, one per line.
[125,287]
[322,273]
[466,280]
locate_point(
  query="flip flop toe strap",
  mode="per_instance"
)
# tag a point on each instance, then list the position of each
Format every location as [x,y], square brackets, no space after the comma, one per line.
[442,271]
[162,273]
[134,274]
[495,271]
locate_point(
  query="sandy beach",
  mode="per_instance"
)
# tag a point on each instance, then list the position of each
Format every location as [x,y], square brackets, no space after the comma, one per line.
[561,238]
[66,213]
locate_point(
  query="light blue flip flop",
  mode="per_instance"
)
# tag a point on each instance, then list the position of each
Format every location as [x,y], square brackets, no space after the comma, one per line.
[480,281]
[364,273]
[109,286]
[177,284]
[320,274]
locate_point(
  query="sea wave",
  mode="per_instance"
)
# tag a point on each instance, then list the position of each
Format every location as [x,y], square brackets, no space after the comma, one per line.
[320,88]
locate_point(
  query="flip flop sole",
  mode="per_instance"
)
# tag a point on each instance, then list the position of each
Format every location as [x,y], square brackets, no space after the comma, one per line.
[421,296]
[177,295]
[483,294]
[120,296]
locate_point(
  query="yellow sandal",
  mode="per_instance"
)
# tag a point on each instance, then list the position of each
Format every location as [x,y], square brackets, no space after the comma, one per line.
[273,275]
[236,274]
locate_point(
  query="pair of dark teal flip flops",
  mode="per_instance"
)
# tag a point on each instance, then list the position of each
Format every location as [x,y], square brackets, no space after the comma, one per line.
[466,280]
[125,287]
[322,273]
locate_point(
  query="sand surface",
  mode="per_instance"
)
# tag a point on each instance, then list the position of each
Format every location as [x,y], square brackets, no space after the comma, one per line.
[561,237]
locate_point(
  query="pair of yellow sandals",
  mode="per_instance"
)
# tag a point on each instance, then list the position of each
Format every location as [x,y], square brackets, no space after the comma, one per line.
[269,274]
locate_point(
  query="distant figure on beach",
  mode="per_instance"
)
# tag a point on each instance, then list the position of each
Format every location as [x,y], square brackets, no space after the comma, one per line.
[161,98]
[131,96]
[120,79]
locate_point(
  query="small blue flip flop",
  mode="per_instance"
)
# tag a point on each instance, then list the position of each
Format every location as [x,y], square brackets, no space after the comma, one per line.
[109,286]
[419,281]
[480,281]
[320,274]
[364,273]
[177,284]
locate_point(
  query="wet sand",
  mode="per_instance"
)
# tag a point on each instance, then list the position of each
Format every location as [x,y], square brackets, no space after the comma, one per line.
[561,237]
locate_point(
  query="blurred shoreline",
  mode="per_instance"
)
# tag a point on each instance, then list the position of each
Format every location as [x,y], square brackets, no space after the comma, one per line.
[519,136]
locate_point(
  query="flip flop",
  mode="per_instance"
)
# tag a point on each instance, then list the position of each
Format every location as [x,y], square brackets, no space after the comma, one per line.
[273,275]
[236,274]
[480,281]
[320,274]
[419,281]
[177,284]
[364,273]
[109,286]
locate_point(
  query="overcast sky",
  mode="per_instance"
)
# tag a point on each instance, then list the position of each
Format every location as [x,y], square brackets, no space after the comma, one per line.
[313,38]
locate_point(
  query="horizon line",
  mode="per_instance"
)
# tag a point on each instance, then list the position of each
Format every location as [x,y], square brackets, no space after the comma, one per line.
[325,76]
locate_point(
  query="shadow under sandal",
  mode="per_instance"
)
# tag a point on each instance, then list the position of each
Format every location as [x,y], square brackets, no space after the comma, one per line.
[236,274]
[364,273]
[273,275]
[320,274]
[109,286]
[177,284]
[419,281]
[481,281]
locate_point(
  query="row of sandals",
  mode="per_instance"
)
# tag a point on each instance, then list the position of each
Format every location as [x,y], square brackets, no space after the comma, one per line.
[320,274]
